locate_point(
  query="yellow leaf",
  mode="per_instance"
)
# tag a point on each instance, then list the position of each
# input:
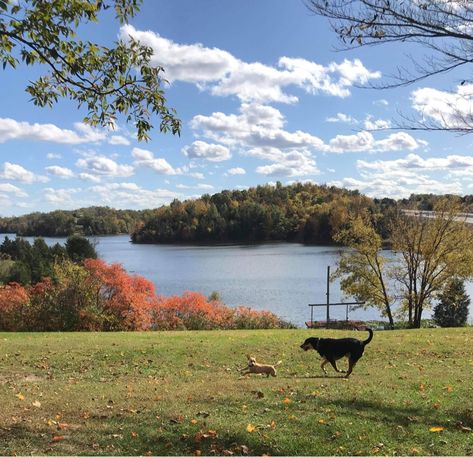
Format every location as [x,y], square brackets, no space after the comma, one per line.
[286,401]
[422,387]
[194,421]
[436,429]
[20,396]
[321,421]
[250,428]
[449,388]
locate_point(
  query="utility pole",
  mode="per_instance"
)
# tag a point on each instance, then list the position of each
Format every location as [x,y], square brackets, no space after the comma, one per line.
[328,294]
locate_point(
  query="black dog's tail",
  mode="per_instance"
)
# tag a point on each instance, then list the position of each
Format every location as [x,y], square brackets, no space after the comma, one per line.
[369,338]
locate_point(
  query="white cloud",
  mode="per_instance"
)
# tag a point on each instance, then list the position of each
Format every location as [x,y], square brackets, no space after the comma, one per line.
[202,150]
[100,165]
[11,189]
[59,196]
[60,172]
[236,171]
[223,74]
[342,117]
[131,195]
[364,141]
[447,109]
[14,130]
[118,140]
[376,124]
[89,177]
[53,155]
[15,172]
[146,159]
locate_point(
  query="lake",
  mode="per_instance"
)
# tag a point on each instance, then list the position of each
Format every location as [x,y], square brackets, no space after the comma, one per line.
[281,277]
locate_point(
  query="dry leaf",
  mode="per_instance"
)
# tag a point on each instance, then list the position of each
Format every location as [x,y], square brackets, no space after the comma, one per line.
[286,401]
[57,438]
[436,429]
[134,435]
[193,421]
[36,404]
[250,428]
[20,396]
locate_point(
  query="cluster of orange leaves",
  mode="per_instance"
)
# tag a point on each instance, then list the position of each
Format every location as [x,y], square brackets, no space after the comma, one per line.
[109,298]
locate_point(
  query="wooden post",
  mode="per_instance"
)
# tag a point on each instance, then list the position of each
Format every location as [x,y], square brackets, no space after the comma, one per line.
[328,295]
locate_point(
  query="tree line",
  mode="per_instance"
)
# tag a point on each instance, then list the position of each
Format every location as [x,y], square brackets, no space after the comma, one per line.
[95,220]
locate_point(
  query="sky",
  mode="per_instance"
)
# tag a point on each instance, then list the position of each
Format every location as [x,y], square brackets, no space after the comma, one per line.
[264,96]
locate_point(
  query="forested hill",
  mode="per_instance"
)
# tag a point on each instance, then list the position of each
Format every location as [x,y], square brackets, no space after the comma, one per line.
[300,212]
[86,221]
[306,213]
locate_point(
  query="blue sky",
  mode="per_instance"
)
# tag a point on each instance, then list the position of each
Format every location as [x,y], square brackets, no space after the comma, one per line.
[263,97]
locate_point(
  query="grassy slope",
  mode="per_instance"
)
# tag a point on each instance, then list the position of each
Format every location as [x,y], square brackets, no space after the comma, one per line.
[138,393]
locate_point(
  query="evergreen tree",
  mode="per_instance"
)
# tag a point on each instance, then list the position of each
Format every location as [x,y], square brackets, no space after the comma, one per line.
[453,306]
[79,248]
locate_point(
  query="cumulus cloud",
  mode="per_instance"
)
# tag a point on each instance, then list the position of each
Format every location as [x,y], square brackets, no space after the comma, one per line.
[236,171]
[446,109]
[202,150]
[60,196]
[60,172]
[100,165]
[364,141]
[130,195]
[13,190]
[15,172]
[118,140]
[11,129]
[223,74]
[146,159]
[342,117]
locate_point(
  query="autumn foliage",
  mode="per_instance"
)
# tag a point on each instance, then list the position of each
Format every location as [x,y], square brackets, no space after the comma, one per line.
[96,296]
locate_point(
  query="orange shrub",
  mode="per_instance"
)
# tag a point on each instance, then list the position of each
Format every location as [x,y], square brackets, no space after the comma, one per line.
[13,301]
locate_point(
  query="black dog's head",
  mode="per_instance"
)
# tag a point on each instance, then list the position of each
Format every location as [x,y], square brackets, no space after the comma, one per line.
[309,343]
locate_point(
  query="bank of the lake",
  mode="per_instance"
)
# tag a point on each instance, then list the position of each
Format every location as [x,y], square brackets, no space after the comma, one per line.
[280,277]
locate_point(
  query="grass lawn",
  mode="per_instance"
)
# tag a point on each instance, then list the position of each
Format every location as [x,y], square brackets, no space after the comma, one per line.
[175,393]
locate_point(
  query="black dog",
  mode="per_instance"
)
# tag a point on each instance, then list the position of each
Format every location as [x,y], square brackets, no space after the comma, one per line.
[332,349]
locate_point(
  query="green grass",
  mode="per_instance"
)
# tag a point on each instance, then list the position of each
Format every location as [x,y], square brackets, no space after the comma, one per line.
[176,393]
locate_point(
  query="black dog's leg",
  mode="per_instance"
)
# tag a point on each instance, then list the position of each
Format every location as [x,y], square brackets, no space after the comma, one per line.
[351,365]
[323,365]
[334,365]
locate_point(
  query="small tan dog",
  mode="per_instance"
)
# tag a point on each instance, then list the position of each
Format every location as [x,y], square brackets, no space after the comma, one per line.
[259,368]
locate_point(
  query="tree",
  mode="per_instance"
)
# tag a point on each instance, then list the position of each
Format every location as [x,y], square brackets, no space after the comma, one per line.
[431,251]
[107,81]
[362,269]
[453,306]
[79,248]
[441,27]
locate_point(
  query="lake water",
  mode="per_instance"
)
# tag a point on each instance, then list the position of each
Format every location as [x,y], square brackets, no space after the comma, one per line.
[281,277]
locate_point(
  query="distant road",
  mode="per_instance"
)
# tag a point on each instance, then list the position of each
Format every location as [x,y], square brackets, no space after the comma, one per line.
[467,217]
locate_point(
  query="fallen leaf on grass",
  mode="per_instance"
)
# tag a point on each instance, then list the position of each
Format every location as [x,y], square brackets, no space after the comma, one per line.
[20,396]
[134,435]
[449,388]
[57,438]
[193,421]
[250,428]
[286,401]
[436,429]
[36,404]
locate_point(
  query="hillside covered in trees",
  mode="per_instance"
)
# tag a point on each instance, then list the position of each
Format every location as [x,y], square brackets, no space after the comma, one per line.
[85,221]
[306,213]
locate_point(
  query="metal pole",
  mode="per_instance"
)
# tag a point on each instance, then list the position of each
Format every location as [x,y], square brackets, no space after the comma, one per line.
[328,294]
